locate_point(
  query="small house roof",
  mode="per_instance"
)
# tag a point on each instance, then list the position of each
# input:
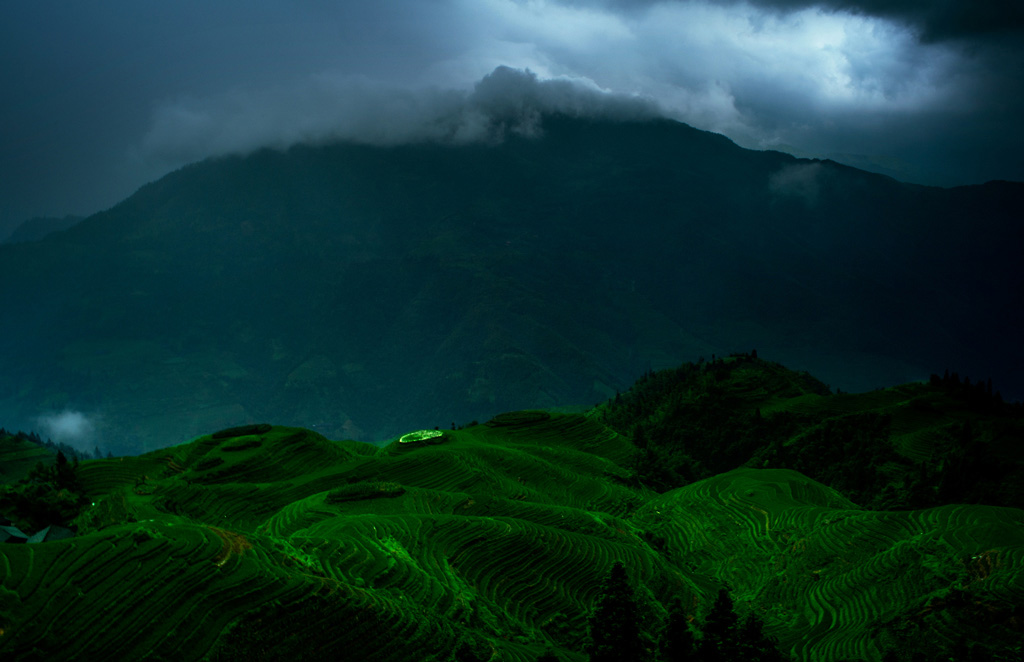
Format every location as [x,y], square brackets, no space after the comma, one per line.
[51,533]
[12,534]
[39,536]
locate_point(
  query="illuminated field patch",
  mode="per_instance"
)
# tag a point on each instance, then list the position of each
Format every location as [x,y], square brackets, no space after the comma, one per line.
[420,435]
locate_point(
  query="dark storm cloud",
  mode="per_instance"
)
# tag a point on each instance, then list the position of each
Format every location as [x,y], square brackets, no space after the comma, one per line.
[936,19]
[100,98]
[80,81]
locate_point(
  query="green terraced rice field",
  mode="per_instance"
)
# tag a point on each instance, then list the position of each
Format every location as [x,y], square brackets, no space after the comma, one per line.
[284,541]
[834,581]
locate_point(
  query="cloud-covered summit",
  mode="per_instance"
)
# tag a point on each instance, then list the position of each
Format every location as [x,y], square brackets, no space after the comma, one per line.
[319,109]
[136,88]
[512,99]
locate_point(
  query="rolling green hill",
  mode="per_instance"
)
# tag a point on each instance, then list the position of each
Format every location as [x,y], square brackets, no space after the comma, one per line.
[361,291]
[18,456]
[491,540]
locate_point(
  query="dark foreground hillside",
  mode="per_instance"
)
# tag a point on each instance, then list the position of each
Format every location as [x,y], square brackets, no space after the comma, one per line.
[360,291]
[488,542]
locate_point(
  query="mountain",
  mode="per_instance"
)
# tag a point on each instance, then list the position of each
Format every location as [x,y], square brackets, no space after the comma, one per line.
[491,541]
[361,290]
[40,227]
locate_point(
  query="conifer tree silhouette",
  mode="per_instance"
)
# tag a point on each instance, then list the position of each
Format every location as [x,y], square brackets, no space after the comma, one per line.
[719,641]
[613,627]
[677,642]
[549,656]
[754,644]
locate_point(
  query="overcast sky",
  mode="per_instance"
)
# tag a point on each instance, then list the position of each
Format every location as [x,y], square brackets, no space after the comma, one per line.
[98,98]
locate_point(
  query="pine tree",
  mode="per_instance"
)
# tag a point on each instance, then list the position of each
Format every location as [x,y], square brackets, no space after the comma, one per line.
[613,627]
[720,631]
[677,643]
[640,437]
[65,473]
[468,649]
[754,644]
[548,656]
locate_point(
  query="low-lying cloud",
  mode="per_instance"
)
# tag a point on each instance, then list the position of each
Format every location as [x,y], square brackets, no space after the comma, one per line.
[69,427]
[800,180]
[322,108]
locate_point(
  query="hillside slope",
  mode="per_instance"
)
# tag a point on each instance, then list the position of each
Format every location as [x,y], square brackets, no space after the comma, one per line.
[18,456]
[310,286]
[261,543]
[38,228]
[914,445]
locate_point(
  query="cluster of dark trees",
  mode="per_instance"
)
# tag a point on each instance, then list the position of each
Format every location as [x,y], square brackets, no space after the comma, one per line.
[979,395]
[48,495]
[616,633]
[699,420]
[852,454]
[69,451]
[689,423]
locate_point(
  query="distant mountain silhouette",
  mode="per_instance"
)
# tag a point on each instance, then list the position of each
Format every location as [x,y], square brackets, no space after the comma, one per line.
[362,290]
[39,227]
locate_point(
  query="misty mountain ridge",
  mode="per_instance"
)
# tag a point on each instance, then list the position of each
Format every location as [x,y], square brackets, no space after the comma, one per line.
[364,289]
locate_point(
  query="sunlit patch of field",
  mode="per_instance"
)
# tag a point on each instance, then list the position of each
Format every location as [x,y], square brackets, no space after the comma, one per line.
[233,543]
